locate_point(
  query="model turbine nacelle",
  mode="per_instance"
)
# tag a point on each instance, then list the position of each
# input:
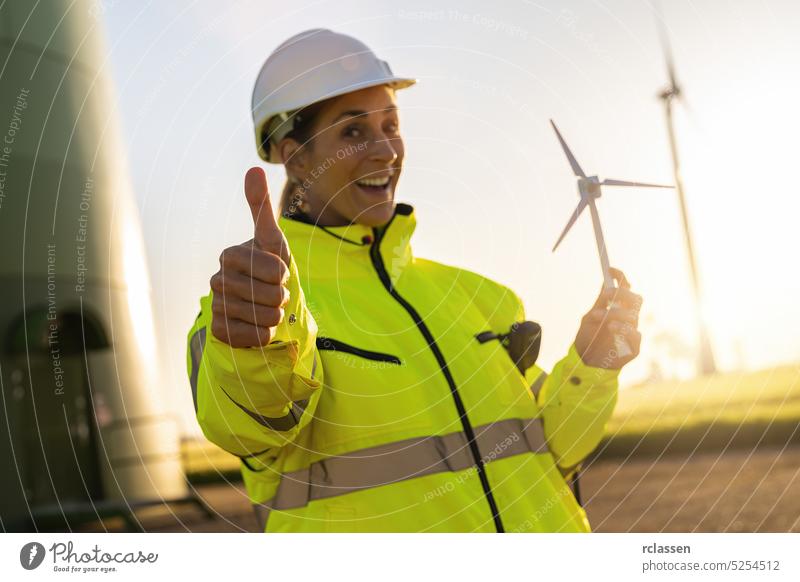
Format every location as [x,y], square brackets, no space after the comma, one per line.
[589,187]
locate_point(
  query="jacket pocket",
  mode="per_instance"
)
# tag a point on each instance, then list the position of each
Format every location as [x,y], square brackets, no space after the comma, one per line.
[334,345]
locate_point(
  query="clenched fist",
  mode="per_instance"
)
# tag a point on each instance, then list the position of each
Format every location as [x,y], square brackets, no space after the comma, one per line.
[249,288]
[614,314]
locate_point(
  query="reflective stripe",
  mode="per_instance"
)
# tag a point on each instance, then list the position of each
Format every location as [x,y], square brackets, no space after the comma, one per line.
[538,383]
[262,515]
[407,459]
[196,347]
[314,365]
[282,423]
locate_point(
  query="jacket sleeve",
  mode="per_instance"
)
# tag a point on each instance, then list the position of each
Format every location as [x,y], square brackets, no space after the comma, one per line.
[249,401]
[576,403]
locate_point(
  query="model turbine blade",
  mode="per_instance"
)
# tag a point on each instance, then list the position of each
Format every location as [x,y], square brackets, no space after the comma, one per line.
[589,189]
[635,184]
[573,218]
[576,168]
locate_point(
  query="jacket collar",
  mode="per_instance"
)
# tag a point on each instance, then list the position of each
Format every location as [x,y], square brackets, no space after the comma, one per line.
[340,251]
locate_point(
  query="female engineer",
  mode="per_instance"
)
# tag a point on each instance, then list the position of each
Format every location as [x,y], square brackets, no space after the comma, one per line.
[365,388]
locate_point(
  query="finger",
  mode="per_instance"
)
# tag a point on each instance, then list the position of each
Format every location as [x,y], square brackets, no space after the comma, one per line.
[620,277]
[595,316]
[627,299]
[613,318]
[633,337]
[627,316]
[615,314]
[635,342]
[254,262]
[268,235]
[239,334]
[235,308]
[237,285]
[620,327]
[621,296]
[605,297]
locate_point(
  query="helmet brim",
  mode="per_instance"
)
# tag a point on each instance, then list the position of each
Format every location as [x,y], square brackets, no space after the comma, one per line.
[273,157]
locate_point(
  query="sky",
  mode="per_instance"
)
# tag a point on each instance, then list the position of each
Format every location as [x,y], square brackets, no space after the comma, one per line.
[491,187]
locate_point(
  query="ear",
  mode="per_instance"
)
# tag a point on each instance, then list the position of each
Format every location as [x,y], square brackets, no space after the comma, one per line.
[292,154]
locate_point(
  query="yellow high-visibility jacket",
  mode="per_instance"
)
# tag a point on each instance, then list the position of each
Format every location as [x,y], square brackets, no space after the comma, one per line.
[376,408]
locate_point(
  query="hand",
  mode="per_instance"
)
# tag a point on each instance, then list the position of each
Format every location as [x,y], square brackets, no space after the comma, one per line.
[249,288]
[616,312]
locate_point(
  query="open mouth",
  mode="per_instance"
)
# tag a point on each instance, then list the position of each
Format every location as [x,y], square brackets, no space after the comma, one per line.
[375,185]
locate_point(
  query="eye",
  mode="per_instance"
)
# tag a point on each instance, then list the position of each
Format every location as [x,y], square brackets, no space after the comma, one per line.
[352,131]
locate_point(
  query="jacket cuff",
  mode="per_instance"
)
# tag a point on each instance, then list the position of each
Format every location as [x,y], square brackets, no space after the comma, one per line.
[573,383]
[269,377]
[295,321]
[298,330]
[577,373]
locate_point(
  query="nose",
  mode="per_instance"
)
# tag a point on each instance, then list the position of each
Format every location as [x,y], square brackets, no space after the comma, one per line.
[383,151]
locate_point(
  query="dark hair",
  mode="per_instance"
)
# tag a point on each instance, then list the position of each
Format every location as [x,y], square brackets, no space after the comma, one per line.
[303,127]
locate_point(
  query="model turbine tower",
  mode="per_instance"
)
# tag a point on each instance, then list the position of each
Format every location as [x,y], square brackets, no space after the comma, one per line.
[589,188]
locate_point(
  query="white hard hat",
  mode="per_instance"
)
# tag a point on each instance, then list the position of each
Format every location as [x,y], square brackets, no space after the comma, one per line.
[309,67]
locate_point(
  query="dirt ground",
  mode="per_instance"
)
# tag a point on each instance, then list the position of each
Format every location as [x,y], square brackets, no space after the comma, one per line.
[741,491]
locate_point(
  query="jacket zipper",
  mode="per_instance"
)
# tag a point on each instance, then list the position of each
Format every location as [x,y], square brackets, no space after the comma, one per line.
[327,343]
[377,262]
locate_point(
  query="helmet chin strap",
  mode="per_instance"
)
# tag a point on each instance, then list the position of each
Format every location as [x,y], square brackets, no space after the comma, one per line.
[280,125]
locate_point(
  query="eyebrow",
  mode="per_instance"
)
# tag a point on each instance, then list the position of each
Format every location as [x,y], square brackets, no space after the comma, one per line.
[360,112]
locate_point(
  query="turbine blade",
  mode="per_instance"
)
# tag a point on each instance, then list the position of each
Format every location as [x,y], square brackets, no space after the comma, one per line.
[572,161]
[635,184]
[675,89]
[581,205]
[666,48]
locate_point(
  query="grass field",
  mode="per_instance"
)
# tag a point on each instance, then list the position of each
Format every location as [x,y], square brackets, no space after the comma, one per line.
[722,412]
[725,411]
[204,462]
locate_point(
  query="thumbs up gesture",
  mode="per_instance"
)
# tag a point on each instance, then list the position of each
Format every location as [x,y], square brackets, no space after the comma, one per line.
[250,286]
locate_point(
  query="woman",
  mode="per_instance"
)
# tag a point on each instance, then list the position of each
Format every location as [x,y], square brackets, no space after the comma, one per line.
[363,388]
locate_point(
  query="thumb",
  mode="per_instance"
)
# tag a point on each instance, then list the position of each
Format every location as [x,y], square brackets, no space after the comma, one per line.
[620,278]
[268,235]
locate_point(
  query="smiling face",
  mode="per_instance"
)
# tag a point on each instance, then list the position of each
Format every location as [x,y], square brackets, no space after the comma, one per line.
[349,169]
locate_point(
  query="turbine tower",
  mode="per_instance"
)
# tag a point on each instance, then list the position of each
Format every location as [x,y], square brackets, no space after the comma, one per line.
[672,92]
[84,430]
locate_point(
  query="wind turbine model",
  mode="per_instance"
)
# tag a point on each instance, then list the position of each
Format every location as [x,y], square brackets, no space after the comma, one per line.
[668,95]
[589,189]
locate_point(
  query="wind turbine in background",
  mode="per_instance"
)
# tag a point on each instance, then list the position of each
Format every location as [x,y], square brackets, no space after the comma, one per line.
[589,188]
[668,95]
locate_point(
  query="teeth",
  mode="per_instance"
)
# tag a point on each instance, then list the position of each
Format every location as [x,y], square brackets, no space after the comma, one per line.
[374,181]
